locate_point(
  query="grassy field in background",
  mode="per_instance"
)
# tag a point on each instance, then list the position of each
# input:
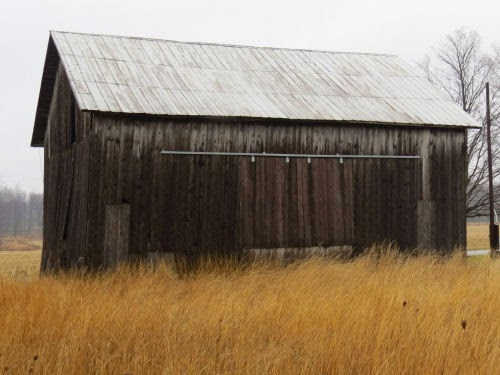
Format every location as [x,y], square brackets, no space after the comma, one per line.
[21,243]
[380,313]
[20,264]
[478,236]
[20,256]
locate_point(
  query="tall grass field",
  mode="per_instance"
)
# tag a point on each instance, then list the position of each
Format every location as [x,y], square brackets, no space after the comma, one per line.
[382,313]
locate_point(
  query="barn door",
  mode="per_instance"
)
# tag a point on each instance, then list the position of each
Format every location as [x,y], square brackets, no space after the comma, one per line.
[116,236]
[386,196]
[332,201]
[295,204]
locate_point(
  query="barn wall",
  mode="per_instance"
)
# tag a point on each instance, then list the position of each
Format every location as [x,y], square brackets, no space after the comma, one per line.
[66,159]
[195,204]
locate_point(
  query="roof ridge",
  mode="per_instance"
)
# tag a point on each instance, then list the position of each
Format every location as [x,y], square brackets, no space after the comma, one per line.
[226,44]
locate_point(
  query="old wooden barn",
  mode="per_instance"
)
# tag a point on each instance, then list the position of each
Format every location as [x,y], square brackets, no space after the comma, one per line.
[155,147]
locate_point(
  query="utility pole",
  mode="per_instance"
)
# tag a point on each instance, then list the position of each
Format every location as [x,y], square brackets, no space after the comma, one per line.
[493,226]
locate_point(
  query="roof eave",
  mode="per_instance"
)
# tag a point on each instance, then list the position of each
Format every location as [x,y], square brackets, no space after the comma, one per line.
[283,119]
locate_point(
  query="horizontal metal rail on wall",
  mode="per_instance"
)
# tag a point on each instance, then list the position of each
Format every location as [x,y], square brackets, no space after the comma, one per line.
[287,157]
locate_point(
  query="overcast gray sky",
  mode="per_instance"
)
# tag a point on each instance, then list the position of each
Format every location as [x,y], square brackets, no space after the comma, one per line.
[409,29]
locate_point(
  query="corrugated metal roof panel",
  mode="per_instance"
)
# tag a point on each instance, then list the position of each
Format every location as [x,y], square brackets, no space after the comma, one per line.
[145,76]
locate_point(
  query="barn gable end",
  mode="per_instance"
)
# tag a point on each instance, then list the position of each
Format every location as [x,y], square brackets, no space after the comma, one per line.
[66,177]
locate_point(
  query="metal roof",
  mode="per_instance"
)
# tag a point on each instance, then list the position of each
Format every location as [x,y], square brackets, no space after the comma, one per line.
[160,77]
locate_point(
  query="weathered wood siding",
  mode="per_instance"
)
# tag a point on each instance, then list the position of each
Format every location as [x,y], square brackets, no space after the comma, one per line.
[66,194]
[194,204]
[198,204]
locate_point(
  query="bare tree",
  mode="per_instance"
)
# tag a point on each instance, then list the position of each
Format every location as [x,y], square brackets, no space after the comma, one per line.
[461,68]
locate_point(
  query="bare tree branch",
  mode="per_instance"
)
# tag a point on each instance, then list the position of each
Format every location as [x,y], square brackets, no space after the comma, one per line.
[461,68]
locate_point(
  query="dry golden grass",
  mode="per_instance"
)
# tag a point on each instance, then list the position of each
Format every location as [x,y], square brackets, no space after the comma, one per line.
[478,236]
[20,256]
[20,264]
[383,315]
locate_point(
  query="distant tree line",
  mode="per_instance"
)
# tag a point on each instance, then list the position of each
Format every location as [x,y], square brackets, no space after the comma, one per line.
[20,213]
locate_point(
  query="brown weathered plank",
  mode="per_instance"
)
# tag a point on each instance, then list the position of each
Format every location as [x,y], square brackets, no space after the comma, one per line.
[116,237]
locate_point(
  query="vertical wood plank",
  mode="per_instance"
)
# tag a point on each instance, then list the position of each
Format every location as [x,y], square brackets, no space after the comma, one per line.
[116,238]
